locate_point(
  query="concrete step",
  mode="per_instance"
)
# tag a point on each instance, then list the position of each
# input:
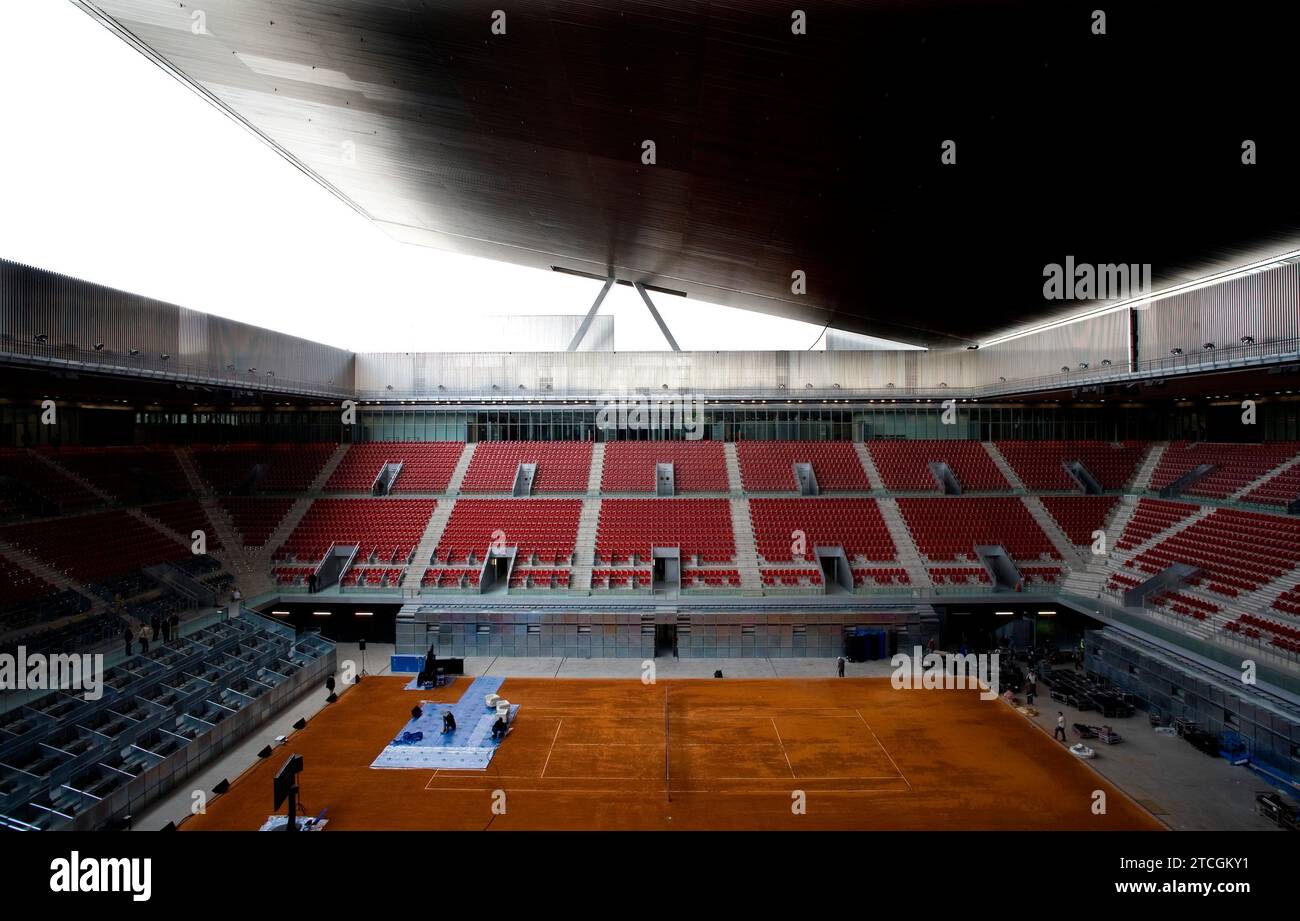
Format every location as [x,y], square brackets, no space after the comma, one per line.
[462,465]
[428,543]
[1261,480]
[327,471]
[77,478]
[597,468]
[1064,546]
[1142,479]
[742,530]
[1000,461]
[584,550]
[908,556]
[734,485]
[869,465]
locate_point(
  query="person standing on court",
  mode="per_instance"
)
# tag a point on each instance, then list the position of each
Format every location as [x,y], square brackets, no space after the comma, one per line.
[1059,732]
[839,666]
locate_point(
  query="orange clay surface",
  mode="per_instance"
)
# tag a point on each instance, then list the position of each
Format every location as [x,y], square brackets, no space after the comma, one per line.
[594,754]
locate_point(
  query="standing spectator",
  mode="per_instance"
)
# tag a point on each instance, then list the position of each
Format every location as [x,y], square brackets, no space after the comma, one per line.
[144,640]
[155,626]
[1059,732]
[128,637]
[174,633]
[839,666]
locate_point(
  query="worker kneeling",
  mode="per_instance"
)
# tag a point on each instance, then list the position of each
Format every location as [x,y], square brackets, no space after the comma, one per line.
[499,729]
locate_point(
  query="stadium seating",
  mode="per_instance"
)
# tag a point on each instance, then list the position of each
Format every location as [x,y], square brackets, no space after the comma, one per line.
[95,548]
[698,466]
[1284,636]
[286,467]
[791,578]
[562,466]
[1080,516]
[905,465]
[958,575]
[427,466]
[539,578]
[1236,551]
[1281,490]
[128,474]
[373,577]
[1236,465]
[768,466]
[698,527]
[1150,518]
[385,530]
[1040,464]
[620,578]
[450,578]
[895,576]
[546,529]
[185,517]
[693,577]
[949,529]
[28,486]
[854,524]
[255,518]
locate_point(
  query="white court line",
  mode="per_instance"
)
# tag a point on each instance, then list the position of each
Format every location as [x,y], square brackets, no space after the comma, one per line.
[558,724]
[783,751]
[883,749]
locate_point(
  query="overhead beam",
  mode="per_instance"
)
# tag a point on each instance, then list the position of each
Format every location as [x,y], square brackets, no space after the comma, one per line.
[591,315]
[663,327]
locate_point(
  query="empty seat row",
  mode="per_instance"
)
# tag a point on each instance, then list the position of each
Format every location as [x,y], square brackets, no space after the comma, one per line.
[788,577]
[698,466]
[905,465]
[271,468]
[699,528]
[1236,551]
[1080,516]
[1150,517]
[949,529]
[1236,465]
[255,518]
[545,530]
[788,529]
[384,530]
[427,466]
[768,466]
[562,466]
[1041,464]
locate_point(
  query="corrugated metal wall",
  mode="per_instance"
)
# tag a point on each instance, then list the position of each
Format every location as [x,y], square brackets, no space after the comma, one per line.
[1046,352]
[1265,305]
[76,314]
[607,372]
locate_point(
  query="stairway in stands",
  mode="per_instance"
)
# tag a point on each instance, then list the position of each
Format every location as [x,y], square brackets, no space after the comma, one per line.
[1090,576]
[428,543]
[1142,479]
[233,557]
[584,549]
[53,576]
[597,469]
[1060,540]
[869,465]
[742,532]
[908,556]
[462,466]
[1017,485]
[734,484]
[1261,480]
[77,478]
[327,471]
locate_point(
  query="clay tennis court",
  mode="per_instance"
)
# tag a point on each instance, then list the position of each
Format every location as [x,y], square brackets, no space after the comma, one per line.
[695,754]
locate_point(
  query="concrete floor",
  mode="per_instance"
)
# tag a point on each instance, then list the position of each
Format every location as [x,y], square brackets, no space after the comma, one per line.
[1184,788]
